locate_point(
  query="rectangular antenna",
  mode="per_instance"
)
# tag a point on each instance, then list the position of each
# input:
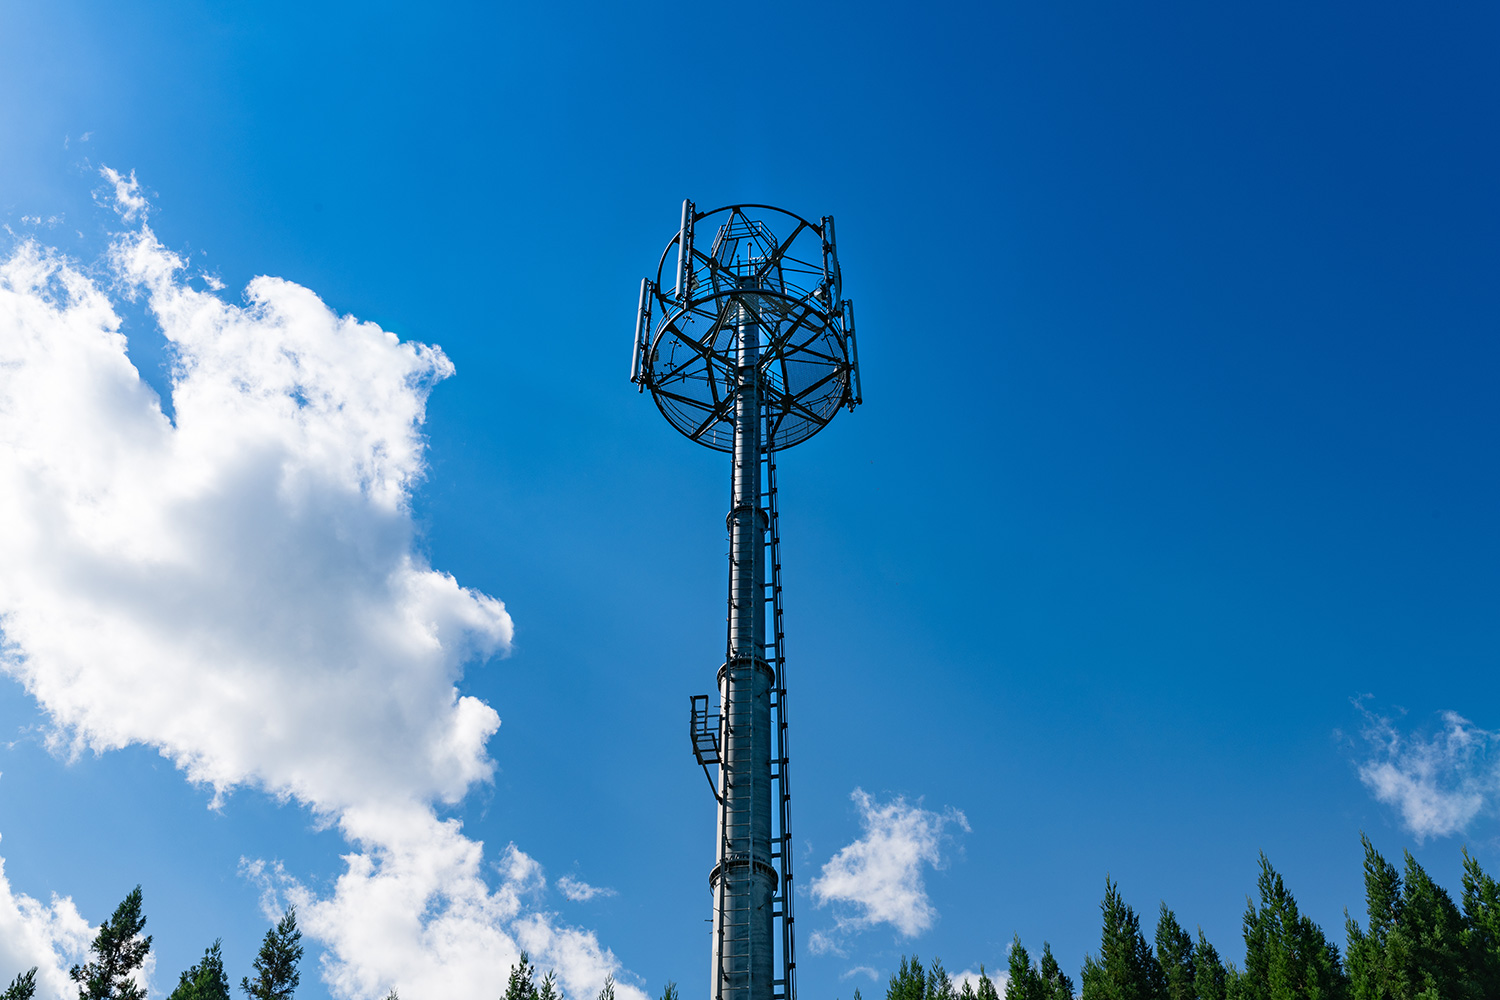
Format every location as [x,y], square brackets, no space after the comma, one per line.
[858,396]
[642,335]
[685,252]
[830,254]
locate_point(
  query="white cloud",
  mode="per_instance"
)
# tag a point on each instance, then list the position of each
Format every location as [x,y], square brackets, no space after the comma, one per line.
[580,891]
[51,937]
[129,201]
[820,942]
[239,588]
[878,878]
[860,970]
[1439,783]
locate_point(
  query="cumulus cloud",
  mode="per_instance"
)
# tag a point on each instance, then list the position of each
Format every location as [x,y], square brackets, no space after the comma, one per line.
[51,937]
[580,891]
[1439,782]
[239,587]
[878,878]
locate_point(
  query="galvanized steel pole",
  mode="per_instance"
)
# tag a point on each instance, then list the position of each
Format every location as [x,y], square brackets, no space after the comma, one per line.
[743,959]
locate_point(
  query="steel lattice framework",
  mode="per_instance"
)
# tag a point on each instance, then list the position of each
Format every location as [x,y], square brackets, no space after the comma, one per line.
[789,288]
[754,352]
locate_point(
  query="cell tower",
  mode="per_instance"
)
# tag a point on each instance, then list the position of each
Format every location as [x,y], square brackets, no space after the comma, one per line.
[754,353]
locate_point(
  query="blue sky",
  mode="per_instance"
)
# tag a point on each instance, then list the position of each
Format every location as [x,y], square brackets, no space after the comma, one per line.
[1166,534]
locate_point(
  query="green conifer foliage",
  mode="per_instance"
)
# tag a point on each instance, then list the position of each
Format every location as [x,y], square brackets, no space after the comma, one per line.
[1024,982]
[1435,928]
[1287,956]
[939,985]
[1481,933]
[1056,985]
[1417,946]
[1125,968]
[1210,977]
[275,966]
[204,981]
[986,989]
[909,982]
[1379,960]
[522,982]
[669,992]
[23,987]
[606,992]
[118,950]
[1174,953]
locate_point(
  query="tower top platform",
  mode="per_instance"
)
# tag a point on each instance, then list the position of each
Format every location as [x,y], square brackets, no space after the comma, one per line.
[765,267]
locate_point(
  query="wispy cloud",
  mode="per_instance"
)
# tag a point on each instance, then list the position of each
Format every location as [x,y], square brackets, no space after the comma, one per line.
[821,942]
[878,878]
[1438,780]
[580,891]
[860,970]
[128,199]
[240,587]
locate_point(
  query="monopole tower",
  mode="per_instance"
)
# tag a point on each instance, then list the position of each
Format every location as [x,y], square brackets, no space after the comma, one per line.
[753,352]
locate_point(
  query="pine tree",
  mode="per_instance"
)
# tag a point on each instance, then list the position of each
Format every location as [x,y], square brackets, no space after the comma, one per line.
[1433,925]
[909,982]
[1174,953]
[522,982]
[204,981]
[1415,948]
[275,966]
[1379,960]
[1210,977]
[1024,982]
[1481,933]
[118,950]
[669,992]
[606,992]
[986,986]
[1287,956]
[1055,983]
[549,990]
[1125,968]
[966,991]
[23,987]
[939,985]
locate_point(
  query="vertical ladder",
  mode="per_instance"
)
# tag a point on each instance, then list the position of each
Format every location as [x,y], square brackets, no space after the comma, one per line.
[784,988]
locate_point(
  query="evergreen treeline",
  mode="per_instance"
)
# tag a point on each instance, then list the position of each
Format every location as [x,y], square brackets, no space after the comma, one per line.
[1419,945]
[119,950]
